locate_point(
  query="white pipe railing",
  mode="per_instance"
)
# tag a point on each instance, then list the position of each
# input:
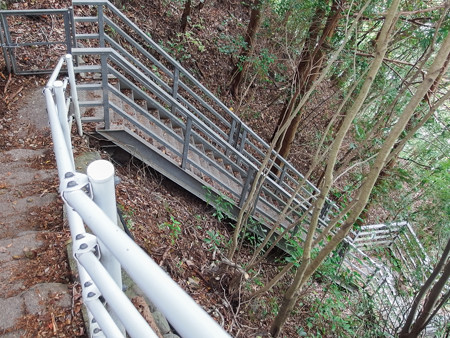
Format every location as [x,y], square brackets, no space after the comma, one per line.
[183,313]
[90,199]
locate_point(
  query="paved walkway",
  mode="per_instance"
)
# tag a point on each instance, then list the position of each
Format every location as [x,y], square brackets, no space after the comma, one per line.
[27,191]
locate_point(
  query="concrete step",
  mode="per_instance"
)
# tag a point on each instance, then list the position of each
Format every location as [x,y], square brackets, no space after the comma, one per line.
[33,301]
[13,252]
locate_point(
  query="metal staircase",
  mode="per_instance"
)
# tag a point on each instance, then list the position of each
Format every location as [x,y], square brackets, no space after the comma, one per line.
[144,101]
[392,265]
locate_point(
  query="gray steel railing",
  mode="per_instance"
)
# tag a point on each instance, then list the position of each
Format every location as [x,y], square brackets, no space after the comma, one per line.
[205,120]
[14,47]
[90,199]
[392,278]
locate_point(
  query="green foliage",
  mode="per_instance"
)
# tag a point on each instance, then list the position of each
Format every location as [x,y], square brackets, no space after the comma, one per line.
[250,235]
[190,39]
[436,206]
[263,62]
[127,215]
[230,45]
[179,47]
[215,240]
[344,314]
[261,309]
[174,228]
[223,205]
[395,263]
[295,250]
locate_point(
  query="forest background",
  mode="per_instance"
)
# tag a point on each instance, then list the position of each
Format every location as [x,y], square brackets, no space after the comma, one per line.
[356,95]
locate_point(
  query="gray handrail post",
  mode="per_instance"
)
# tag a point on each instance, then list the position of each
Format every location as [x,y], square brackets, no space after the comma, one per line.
[248,182]
[176,77]
[104,66]
[74,93]
[3,42]
[187,137]
[101,177]
[101,23]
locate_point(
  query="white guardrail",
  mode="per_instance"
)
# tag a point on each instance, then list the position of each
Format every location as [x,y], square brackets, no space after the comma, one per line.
[90,199]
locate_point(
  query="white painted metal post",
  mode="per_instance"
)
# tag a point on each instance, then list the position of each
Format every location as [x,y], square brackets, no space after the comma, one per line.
[74,93]
[63,160]
[62,115]
[101,177]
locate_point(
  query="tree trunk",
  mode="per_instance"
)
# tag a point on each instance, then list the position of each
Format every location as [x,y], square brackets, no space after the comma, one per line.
[185,16]
[260,175]
[310,65]
[241,68]
[410,330]
[301,277]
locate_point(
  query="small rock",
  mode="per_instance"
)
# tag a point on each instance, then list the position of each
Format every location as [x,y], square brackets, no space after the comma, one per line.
[29,253]
[161,322]
[193,281]
[171,335]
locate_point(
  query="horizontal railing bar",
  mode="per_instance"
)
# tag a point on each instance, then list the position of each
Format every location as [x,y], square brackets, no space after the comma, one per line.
[129,316]
[391,225]
[123,80]
[103,318]
[89,2]
[86,19]
[137,63]
[87,36]
[33,12]
[376,231]
[201,168]
[366,244]
[188,318]
[141,49]
[204,104]
[87,68]
[37,43]
[141,110]
[90,119]
[91,104]
[207,121]
[89,86]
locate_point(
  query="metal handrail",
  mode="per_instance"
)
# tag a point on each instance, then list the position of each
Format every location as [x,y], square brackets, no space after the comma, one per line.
[9,45]
[77,191]
[229,155]
[415,262]
[238,134]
